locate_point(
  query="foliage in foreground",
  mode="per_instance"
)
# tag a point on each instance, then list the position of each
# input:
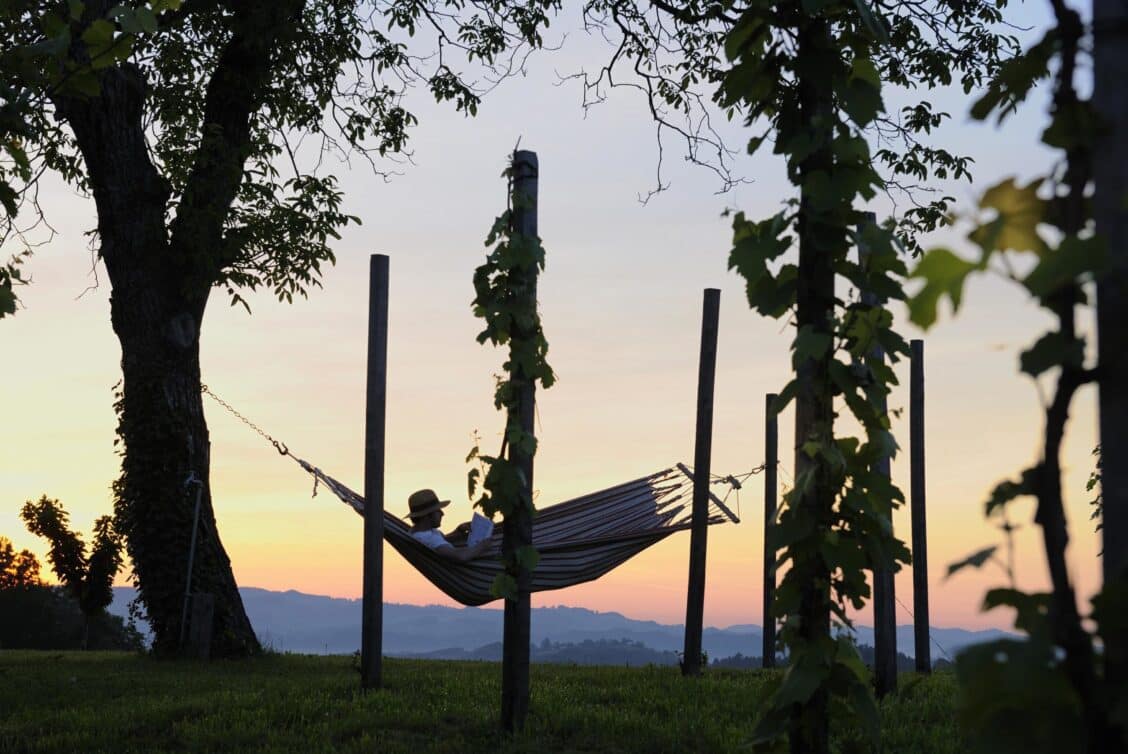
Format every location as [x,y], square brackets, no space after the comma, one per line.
[1057,688]
[64,702]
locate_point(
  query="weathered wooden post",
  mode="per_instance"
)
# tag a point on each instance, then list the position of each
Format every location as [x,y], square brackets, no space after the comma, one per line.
[201,626]
[372,608]
[703,447]
[917,493]
[884,597]
[1110,186]
[517,530]
[192,480]
[771,489]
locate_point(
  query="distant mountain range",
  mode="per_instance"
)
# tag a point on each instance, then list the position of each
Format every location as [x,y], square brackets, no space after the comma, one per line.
[295,622]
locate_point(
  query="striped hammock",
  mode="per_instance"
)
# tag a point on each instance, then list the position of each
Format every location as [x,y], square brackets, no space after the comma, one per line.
[578,540]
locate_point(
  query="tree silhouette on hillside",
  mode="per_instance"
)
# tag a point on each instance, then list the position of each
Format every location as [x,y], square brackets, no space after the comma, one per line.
[86,577]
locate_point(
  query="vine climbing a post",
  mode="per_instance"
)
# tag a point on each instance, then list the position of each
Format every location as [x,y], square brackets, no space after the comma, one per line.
[505,288]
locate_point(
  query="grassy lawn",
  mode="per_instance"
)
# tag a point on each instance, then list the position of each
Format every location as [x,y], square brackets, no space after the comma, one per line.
[101,701]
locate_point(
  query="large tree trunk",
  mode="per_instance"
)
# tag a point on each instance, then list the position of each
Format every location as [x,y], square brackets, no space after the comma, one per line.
[159,293]
[166,443]
[1110,206]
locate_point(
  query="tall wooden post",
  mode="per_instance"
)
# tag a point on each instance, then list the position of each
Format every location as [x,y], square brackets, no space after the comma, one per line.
[884,597]
[1110,212]
[517,530]
[917,494]
[771,488]
[703,448]
[372,607]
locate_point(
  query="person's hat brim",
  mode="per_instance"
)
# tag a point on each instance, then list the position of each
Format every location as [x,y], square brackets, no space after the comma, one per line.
[435,506]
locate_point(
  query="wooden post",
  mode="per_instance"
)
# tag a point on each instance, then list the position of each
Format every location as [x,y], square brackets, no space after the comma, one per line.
[771,488]
[201,625]
[917,493]
[372,608]
[191,559]
[703,447]
[1110,212]
[517,530]
[884,597]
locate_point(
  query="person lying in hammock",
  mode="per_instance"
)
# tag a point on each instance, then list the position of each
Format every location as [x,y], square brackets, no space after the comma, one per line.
[426,513]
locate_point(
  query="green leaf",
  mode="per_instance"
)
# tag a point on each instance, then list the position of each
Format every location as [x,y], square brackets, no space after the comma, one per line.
[128,20]
[504,586]
[472,479]
[7,301]
[527,557]
[785,397]
[864,69]
[975,560]
[809,344]
[1018,211]
[146,19]
[1015,79]
[861,102]
[1073,125]
[1073,259]
[746,26]
[1007,490]
[1031,610]
[944,274]
[1017,698]
[1052,350]
[802,679]
[99,35]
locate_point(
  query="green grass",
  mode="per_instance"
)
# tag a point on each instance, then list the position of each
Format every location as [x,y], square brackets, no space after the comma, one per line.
[114,702]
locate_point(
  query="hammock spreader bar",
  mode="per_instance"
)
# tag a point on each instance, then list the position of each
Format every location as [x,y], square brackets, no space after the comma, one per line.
[578,540]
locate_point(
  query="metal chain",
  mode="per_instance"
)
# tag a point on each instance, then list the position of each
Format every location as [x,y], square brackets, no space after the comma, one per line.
[280,447]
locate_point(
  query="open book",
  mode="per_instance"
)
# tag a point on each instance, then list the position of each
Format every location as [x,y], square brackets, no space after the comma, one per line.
[481,528]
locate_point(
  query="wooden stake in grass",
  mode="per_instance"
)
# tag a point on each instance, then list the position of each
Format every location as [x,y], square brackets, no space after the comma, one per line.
[884,597]
[372,608]
[917,494]
[703,446]
[771,490]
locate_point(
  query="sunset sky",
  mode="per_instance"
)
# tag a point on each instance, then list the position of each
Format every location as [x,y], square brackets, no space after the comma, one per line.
[621,304]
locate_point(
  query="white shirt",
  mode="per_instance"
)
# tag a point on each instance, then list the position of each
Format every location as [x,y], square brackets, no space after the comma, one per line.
[433,538]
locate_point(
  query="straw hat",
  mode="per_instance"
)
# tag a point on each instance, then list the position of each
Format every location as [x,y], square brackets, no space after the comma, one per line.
[424,503]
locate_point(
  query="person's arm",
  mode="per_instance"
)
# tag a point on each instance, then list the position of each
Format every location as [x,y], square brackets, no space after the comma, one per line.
[462,554]
[458,535]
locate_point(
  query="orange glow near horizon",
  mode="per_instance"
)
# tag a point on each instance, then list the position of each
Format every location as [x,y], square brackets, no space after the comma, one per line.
[598,426]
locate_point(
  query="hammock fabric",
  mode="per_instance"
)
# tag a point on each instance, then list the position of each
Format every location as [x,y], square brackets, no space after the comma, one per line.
[578,540]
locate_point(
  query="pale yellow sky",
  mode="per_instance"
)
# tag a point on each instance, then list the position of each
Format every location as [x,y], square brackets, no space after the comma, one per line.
[621,300]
